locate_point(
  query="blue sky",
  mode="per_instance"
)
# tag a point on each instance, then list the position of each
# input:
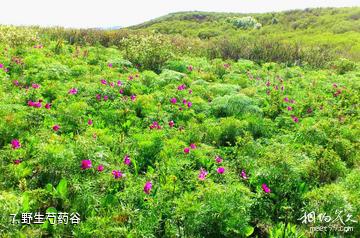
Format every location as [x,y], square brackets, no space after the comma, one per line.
[105,13]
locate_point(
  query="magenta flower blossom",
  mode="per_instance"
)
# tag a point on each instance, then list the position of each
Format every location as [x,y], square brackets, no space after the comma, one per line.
[86,164]
[295,119]
[47,105]
[16,82]
[112,84]
[155,125]
[226,66]
[220,170]
[265,188]
[289,108]
[90,122]
[187,150]
[127,160]
[117,174]
[30,103]
[103,81]
[130,77]
[17,161]
[98,97]
[276,87]
[100,168]
[202,174]
[218,159]
[309,110]
[286,99]
[181,87]
[119,83]
[106,98]
[35,85]
[282,88]
[1,66]
[37,104]
[73,91]
[184,101]
[190,91]
[193,146]
[190,68]
[147,187]
[243,174]
[173,100]
[189,104]
[15,144]
[121,91]
[335,85]
[268,83]
[133,97]
[171,123]
[110,65]
[56,127]
[292,101]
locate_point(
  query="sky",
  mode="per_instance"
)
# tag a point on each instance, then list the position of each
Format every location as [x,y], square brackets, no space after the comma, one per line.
[108,13]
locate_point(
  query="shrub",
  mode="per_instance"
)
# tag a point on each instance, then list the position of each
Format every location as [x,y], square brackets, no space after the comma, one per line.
[233,105]
[246,23]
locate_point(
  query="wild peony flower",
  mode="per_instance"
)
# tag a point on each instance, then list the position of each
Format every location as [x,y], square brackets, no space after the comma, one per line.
[90,122]
[98,97]
[148,187]
[184,101]
[292,101]
[295,119]
[173,100]
[1,66]
[189,104]
[289,108]
[16,82]
[243,174]
[103,81]
[56,127]
[190,68]
[181,87]
[119,83]
[100,168]
[130,77]
[112,84]
[220,170]
[190,91]
[127,160]
[171,123]
[110,65]
[155,125]
[268,83]
[218,159]
[17,161]
[37,104]
[187,150]
[133,97]
[15,144]
[47,105]
[193,146]
[286,99]
[265,188]
[106,98]
[86,164]
[309,110]
[73,91]
[121,91]
[30,103]
[117,174]
[282,88]
[35,85]
[202,174]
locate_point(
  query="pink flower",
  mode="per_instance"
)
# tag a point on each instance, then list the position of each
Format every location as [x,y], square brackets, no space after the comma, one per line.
[56,127]
[193,146]
[119,83]
[100,168]
[110,65]
[295,119]
[155,125]
[47,105]
[173,100]
[30,103]
[1,66]
[202,174]
[106,98]
[190,68]
[15,144]
[147,187]
[190,91]
[292,101]
[112,84]
[121,91]
[218,159]
[289,108]
[90,122]
[189,104]
[34,85]
[73,91]
[226,66]
[268,84]
[309,110]
[86,164]
[133,97]
[127,160]
[130,77]
[286,99]
[103,81]
[98,97]
[117,174]
[16,82]
[37,104]
[171,123]
[221,170]
[186,150]
[181,87]
[184,101]
[335,85]
[17,161]
[243,174]
[282,88]
[265,188]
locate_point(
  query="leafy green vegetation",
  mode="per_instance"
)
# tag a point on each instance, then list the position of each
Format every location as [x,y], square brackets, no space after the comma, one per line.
[191,135]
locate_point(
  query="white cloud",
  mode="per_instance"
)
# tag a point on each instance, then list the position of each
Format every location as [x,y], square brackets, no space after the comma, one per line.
[104,13]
